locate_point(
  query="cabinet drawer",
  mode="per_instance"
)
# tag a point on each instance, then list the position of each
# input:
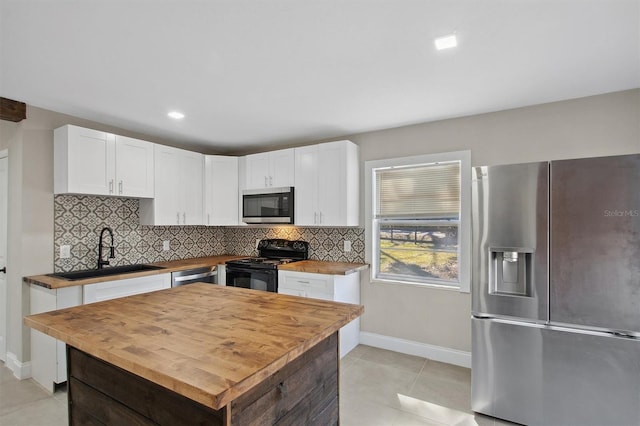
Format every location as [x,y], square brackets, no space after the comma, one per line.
[308,285]
[126,287]
[291,291]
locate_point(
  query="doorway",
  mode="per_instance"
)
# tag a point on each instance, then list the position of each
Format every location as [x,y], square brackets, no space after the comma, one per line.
[4,188]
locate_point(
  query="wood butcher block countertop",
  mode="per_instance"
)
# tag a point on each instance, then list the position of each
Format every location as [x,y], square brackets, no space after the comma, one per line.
[50,282]
[209,343]
[322,267]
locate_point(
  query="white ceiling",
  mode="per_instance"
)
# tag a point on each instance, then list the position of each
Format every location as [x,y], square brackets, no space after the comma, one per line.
[250,73]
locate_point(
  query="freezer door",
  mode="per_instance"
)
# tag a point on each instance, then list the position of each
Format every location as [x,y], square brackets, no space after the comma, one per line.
[510,241]
[507,370]
[538,375]
[595,242]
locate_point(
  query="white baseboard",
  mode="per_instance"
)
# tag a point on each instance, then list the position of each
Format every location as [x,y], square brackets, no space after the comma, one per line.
[410,347]
[22,370]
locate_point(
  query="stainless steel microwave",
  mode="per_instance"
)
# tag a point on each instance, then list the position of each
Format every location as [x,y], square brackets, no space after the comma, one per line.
[268,205]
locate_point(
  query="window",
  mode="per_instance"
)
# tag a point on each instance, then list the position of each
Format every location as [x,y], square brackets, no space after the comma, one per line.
[418,219]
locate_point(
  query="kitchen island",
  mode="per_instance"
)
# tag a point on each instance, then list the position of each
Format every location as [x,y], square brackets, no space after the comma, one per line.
[201,354]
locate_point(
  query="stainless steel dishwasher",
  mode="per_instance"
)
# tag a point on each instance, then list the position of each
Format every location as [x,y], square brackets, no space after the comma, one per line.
[207,274]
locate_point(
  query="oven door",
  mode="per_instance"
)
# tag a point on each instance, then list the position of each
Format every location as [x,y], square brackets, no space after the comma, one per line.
[255,279]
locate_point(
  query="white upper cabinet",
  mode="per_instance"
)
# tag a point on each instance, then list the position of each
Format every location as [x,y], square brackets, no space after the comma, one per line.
[134,168]
[220,190]
[179,193]
[327,181]
[88,161]
[84,161]
[270,169]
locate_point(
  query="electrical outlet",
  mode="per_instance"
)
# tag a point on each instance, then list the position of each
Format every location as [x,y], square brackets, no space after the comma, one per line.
[166,246]
[65,252]
[347,246]
[257,242]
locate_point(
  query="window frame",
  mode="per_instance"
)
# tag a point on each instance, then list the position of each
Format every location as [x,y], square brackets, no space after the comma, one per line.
[464,222]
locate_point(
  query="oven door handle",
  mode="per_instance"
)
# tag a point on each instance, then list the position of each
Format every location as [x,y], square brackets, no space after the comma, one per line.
[195,276]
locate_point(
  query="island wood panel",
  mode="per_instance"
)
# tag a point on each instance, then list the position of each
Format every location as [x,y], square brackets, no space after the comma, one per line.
[305,392]
[101,393]
[307,387]
[209,343]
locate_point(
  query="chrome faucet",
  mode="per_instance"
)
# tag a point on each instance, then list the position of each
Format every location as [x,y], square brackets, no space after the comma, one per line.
[112,250]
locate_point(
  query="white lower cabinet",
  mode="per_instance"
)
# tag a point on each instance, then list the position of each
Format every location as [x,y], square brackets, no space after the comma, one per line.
[127,287]
[48,355]
[337,288]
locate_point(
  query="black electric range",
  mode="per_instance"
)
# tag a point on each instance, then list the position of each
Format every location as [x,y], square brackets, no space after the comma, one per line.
[261,273]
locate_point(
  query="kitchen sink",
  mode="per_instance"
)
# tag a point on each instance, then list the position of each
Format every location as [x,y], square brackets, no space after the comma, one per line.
[105,272]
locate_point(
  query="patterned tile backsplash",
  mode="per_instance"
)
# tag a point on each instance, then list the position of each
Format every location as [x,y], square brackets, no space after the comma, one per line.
[79,219]
[324,243]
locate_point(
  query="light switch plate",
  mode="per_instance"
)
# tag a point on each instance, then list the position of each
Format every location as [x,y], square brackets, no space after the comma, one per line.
[166,246]
[347,246]
[65,252]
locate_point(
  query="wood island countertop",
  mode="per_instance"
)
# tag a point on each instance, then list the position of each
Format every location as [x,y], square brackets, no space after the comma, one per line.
[208,343]
[323,267]
[50,282]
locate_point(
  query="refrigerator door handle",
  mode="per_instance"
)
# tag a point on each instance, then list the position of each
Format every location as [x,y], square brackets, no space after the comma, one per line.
[511,249]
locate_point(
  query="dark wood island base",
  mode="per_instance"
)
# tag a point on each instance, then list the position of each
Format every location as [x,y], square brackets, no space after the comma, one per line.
[303,392]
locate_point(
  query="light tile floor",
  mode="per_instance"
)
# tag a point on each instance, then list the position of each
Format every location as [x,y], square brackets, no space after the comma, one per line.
[377,387]
[26,403]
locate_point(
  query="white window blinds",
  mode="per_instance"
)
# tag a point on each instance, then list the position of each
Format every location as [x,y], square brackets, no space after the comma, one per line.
[426,191]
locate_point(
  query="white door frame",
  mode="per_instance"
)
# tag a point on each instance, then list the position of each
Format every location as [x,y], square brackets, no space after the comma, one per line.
[4,218]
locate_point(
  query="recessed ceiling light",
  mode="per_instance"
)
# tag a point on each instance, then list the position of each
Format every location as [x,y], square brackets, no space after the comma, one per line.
[176,115]
[446,42]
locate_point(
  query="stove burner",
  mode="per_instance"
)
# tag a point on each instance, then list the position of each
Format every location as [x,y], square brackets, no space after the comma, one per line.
[274,252]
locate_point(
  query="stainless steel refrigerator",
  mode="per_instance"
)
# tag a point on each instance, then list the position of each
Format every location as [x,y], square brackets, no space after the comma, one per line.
[556,292]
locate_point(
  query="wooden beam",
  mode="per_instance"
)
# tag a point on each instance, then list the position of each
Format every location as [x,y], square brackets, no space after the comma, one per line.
[11,110]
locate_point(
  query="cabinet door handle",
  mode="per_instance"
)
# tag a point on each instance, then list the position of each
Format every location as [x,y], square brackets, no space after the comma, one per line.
[320,217]
[266,182]
[315,218]
[184,218]
[303,282]
[111,186]
[270,181]
[120,187]
[208,219]
[178,218]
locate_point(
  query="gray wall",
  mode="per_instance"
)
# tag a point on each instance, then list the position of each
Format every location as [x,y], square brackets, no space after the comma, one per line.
[593,126]
[601,125]
[30,215]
